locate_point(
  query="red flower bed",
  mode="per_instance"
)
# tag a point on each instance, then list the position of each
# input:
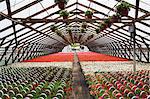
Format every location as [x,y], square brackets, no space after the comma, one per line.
[58,57]
[91,56]
[68,57]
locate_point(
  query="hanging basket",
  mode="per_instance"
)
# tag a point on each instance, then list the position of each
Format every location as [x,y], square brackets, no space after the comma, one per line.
[88,16]
[53,28]
[61,5]
[65,17]
[123,12]
[64,14]
[84,25]
[108,22]
[115,18]
[108,25]
[123,8]
[97,30]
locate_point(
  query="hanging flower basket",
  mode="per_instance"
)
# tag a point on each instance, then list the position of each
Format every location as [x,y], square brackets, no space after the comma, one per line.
[88,14]
[59,34]
[82,30]
[61,3]
[84,25]
[64,14]
[115,18]
[107,22]
[102,27]
[97,30]
[53,28]
[65,17]
[123,8]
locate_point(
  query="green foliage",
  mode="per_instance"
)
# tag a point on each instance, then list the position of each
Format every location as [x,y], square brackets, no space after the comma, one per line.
[82,30]
[116,15]
[97,30]
[124,5]
[64,13]
[101,26]
[69,30]
[88,12]
[106,21]
[53,27]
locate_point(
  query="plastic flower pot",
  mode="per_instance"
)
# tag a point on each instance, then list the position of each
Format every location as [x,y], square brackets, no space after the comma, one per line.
[130,94]
[88,14]
[137,91]
[43,95]
[53,28]
[64,14]
[84,25]
[61,5]
[115,18]
[132,81]
[140,84]
[118,95]
[109,85]
[101,92]
[33,92]
[107,22]
[123,12]
[126,91]
[105,96]
[23,92]
[146,87]
[5,96]
[143,94]
[1,93]
[122,88]
[11,93]
[65,17]
[119,85]
[59,95]
[115,92]
[19,96]
[60,91]
[123,8]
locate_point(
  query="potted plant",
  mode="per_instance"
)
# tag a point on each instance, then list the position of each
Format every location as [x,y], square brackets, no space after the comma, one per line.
[64,14]
[123,8]
[107,22]
[116,18]
[69,31]
[59,33]
[97,30]
[88,14]
[102,27]
[84,25]
[61,3]
[82,30]
[53,28]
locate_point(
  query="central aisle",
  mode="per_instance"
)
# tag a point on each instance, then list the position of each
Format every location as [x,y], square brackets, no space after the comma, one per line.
[80,90]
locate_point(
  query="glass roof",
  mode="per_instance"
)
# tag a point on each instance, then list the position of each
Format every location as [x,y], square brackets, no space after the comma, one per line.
[36,10]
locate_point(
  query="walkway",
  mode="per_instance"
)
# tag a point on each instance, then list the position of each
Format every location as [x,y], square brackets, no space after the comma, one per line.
[80,90]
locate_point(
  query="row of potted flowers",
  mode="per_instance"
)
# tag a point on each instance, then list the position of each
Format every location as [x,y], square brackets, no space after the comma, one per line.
[113,85]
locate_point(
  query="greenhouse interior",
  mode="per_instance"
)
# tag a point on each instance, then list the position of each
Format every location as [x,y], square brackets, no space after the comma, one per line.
[74,49]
